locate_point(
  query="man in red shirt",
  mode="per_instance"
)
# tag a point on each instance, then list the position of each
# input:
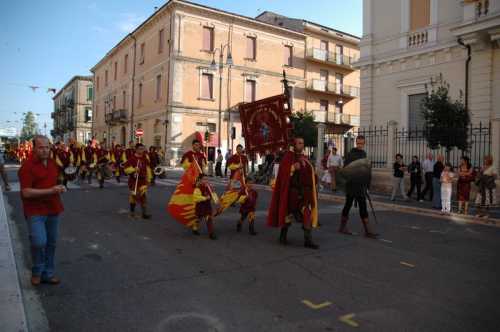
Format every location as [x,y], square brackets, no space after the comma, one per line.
[42,205]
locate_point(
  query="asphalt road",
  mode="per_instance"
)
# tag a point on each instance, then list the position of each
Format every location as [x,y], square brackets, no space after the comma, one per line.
[123,274]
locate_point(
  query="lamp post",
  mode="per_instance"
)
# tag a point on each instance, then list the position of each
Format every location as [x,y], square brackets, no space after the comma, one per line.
[214,66]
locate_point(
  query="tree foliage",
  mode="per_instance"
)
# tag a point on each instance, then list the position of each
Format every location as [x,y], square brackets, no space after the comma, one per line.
[30,127]
[446,120]
[304,126]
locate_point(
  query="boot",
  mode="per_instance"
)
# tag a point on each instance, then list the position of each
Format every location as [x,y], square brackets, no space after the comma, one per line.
[118,179]
[283,235]
[89,178]
[145,214]
[210,229]
[368,231]
[251,229]
[308,242]
[195,229]
[132,210]
[238,227]
[343,226]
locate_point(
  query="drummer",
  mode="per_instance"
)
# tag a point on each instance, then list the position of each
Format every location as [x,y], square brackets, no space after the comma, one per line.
[117,158]
[88,162]
[64,159]
[103,159]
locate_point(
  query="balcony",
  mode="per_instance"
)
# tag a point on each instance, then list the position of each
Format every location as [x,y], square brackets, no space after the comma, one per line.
[108,118]
[336,118]
[343,90]
[120,116]
[332,58]
[418,38]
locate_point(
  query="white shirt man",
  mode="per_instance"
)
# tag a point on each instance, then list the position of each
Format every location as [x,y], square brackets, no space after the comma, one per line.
[334,160]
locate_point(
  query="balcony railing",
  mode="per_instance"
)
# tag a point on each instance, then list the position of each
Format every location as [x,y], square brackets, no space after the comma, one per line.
[336,118]
[333,88]
[418,38]
[482,8]
[108,118]
[331,57]
[116,116]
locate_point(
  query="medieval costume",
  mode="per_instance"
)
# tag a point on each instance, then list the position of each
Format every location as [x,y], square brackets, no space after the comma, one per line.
[117,158]
[139,172]
[63,158]
[248,201]
[88,162]
[357,176]
[294,197]
[103,159]
[202,197]
[190,156]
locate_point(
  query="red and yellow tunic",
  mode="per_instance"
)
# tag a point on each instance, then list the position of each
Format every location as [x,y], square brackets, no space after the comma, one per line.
[202,197]
[63,158]
[88,156]
[236,161]
[190,156]
[145,174]
[102,156]
[77,154]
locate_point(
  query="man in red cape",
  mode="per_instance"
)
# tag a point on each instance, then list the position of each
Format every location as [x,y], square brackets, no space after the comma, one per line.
[294,195]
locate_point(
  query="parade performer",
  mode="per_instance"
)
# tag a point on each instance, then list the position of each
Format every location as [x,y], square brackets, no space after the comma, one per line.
[130,151]
[194,154]
[117,158]
[140,174]
[76,151]
[248,201]
[63,158]
[294,195]
[154,160]
[89,162]
[238,161]
[202,197]
[103,159]
[357,175]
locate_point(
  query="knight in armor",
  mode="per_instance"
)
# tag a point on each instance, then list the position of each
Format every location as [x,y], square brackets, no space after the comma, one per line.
[356,186]
[294,195]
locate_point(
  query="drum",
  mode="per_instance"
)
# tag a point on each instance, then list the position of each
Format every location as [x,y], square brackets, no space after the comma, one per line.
[70,173]
[106,172]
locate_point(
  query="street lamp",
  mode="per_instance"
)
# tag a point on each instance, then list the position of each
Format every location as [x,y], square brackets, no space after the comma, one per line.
[214,66]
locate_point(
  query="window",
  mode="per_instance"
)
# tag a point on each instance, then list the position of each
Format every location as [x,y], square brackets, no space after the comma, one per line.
[323,45]
[339,50]
[288,55]
[125,64]
[97,84]
[415,112]
[250,91]
[124,99]
[88,115]
[208,39]
[114,102]
[160,40]
[339,83]
[251,48]
[207,81]
[106,78]
[90,92]
[139,99]
[323,75]
[323,105]
[339,107]
[143,53]
[158,87]
[419,14]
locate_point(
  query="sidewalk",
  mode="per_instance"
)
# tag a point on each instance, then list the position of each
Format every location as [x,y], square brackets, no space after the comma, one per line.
[12,314]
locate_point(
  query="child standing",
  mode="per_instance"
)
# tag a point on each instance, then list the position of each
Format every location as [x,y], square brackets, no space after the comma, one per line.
[248,201]
[202,197]
[446,188]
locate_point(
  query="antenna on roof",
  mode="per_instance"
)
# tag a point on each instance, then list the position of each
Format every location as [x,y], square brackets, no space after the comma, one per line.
[156,8]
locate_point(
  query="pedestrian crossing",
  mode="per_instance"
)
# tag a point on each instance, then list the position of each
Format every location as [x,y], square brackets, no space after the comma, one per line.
[112,183]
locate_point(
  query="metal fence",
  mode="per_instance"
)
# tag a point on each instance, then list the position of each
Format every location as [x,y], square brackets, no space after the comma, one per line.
[376,146]
[380,141]
[412,142]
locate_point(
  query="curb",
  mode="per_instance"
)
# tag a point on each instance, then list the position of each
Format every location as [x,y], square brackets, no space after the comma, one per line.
[492,222]
[12,312]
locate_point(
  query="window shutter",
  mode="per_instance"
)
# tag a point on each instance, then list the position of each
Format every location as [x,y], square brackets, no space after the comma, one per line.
[420,14]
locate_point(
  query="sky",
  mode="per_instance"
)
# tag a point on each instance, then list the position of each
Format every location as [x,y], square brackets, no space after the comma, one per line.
[46,43]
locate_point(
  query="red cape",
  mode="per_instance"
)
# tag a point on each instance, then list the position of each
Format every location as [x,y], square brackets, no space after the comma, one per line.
[279,202]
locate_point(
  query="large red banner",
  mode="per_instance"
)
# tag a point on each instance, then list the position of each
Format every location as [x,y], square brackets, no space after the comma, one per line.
[266,124]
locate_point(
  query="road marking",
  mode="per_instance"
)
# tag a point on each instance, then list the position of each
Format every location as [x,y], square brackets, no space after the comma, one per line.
[434,231]
[415,227]
[316,306]
[471,231]
[384,240]
[348,319]
[406,264]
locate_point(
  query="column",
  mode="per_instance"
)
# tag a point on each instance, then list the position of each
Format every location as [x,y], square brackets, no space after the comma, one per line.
[391,133]
[320,146]
[495,141]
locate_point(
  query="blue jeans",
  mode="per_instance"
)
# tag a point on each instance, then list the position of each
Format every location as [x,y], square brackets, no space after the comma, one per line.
[436,189]
[43,237]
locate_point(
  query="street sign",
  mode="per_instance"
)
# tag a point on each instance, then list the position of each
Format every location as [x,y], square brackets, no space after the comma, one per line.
[139,132]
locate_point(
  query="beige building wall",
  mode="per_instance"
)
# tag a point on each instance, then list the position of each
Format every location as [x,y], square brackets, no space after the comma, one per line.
[398,61]
[73,110]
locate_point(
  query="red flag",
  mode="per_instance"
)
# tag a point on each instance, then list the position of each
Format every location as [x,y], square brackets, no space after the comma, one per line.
[181,206]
